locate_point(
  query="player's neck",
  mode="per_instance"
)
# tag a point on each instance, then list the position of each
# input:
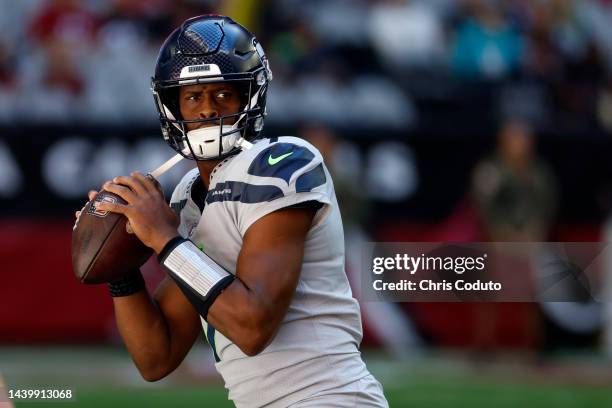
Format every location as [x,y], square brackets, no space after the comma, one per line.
[206,168]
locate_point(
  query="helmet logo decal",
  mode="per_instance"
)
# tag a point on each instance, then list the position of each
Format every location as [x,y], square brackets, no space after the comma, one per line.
[191,71]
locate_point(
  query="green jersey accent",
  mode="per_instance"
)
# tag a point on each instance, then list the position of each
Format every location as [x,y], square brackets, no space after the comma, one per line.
[274,160]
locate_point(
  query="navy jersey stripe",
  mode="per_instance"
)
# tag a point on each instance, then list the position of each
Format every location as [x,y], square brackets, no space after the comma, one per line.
[312,179]
[210,336]
[178,207]
[243,192]
[198,193]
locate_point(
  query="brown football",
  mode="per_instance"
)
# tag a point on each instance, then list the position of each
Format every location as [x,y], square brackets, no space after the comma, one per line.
[102,249]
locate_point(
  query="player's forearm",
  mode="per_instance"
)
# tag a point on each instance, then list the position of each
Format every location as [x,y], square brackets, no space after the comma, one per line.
[145,334]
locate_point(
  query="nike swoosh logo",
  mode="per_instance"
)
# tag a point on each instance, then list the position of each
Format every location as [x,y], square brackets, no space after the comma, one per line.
[273,160]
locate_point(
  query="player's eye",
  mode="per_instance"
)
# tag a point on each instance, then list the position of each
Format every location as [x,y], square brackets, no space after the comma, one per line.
[192,97]
[224,95]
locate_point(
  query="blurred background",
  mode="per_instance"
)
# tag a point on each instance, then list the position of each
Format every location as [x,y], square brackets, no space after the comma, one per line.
[440,120]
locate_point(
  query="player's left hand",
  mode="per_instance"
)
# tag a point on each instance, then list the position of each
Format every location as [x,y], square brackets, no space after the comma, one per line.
[150,217]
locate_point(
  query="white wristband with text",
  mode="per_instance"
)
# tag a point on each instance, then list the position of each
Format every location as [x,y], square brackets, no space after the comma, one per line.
[194,267]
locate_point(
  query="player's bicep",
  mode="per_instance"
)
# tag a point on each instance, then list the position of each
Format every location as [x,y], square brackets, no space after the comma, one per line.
[181,318]
[270,260]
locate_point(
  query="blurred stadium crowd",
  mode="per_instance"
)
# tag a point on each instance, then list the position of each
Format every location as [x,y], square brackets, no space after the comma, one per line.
[338,62]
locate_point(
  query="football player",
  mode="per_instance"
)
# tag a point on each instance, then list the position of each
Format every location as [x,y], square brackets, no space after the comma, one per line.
[252,240]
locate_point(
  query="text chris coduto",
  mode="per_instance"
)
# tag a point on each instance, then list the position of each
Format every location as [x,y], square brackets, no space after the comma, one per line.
[440,266]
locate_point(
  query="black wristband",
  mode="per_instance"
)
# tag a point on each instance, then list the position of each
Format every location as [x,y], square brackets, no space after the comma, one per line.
[201,305]
[128,285]
[214,294]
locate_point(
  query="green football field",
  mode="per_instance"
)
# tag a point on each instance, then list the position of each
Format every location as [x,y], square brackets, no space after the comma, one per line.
[106,378]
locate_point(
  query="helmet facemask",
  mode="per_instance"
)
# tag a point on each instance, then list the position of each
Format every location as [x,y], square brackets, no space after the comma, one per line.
[220,139]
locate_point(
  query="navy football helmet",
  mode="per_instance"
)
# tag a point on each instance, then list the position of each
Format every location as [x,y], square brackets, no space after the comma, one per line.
[205,49]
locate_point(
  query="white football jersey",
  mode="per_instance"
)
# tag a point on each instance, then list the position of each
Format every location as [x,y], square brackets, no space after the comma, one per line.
[316,347]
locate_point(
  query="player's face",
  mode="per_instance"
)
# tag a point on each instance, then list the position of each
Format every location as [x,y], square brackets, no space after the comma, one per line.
[205,101]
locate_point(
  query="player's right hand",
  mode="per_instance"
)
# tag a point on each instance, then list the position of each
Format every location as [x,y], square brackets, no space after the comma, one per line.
[150,217]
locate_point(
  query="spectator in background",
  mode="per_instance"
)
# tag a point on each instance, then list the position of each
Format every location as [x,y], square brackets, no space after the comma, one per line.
[134,21]
[543,58]
[51,85]
[604,105]
[515,198]
[64,21]
[295,48]
[562,54]
[486,44]
[514,190]
[598,14]
[8,81]
[407,33]
[122,59]
[7,74]
[52,81]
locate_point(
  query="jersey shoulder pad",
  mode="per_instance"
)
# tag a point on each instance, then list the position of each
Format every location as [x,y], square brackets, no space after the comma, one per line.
[283,158]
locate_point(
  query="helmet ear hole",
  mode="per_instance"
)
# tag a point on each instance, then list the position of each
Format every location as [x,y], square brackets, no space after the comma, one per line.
[243,92]
[170,99]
